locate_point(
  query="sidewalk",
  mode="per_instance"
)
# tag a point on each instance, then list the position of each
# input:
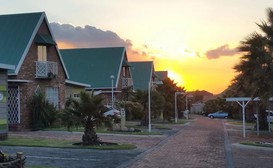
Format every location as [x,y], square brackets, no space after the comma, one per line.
[245,156]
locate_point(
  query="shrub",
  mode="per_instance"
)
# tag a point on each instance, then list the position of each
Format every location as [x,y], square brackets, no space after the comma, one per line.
[43,114]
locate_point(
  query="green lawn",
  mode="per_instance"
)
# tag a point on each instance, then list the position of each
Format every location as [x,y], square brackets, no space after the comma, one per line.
[55,143]
[260,144]
[239,122]
[102,130]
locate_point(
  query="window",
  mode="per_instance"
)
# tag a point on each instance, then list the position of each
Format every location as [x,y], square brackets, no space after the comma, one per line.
[76,95]
[42,53]
[52,95]
[123,71]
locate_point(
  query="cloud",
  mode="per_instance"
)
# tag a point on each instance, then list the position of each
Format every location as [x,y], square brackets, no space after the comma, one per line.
[69,36]
[190,53]
[221,51]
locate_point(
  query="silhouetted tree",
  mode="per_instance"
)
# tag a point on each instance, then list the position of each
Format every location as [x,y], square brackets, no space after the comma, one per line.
[256,66]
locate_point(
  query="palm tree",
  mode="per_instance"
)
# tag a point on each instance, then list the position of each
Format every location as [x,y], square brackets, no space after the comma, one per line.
[88,112]
[255,77]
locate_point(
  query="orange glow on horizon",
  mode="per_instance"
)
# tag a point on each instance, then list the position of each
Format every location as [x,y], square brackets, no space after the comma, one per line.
[65,45]
[200,73]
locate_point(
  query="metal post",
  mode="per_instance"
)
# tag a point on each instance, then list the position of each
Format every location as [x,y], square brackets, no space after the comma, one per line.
[244,124]
[257,119]
[112,77]
[186,102]
[175,107]
[149,99]
[269,118]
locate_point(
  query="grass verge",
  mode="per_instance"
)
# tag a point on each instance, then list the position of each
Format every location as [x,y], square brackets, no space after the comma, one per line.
[56,143]
[239,122]
[260,144]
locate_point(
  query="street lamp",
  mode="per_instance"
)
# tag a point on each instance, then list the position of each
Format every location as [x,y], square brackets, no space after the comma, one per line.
[175,104]
[112,78]
[149,101]
[186,112]
[187,100]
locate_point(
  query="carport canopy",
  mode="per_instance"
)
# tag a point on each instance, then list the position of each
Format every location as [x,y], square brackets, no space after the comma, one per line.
[243,101]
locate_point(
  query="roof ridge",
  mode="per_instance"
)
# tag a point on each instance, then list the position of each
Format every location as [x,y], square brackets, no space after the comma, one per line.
[90,48]
[12,14]
[141,61]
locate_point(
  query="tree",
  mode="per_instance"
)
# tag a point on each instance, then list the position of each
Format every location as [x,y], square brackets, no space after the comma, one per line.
[88,113]
[167,90]
[256,66]
[157,102]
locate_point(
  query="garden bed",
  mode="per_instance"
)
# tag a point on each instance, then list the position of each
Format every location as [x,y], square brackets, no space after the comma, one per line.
[12,162]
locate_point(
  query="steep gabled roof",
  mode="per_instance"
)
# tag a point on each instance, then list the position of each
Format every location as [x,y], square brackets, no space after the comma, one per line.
[6,66]
[162,75]
[142,73]
[17,32]
[94,66]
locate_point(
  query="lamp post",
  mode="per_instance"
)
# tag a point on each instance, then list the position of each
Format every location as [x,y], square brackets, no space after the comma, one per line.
[175,104]
[149,102]
[112,78]
[187,100]
[186,112]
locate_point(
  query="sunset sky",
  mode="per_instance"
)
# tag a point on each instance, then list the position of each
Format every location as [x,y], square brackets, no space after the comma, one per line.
[194,40]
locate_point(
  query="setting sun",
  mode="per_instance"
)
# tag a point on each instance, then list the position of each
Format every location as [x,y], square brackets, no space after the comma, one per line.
[178,78]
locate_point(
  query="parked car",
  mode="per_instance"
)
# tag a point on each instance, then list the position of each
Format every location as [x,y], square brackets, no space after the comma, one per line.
[218,114]
[112,112]
[269,115]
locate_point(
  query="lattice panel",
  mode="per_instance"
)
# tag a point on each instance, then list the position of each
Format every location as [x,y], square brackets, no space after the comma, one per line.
[41,69]
[126,82]
[13,105]
[45,67]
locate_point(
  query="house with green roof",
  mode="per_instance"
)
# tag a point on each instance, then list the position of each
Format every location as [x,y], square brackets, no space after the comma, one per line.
[106,70]
[161,75]
[27,42]
[3,100]
[142,73]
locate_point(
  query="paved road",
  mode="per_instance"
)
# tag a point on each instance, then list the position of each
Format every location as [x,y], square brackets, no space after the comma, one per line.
[200,144]
[204,143]
[74,158]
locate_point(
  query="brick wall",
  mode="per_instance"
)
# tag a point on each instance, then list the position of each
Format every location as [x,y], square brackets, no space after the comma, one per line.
[27,72]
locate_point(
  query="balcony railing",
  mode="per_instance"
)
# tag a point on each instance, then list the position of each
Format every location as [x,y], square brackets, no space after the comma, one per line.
[46,69]
[127,82]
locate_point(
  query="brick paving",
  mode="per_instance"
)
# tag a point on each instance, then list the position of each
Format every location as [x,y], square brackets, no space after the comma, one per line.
[198,145]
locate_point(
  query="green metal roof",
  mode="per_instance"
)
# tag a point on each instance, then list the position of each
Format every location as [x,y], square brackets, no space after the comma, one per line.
[161,75]
[94,66]
[142,74]
[16,31]
[44,39]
